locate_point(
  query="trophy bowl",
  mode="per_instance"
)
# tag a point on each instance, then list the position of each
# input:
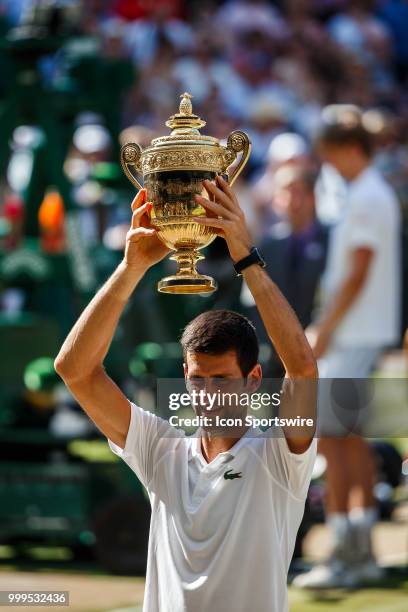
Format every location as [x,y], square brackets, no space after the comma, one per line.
[174,168]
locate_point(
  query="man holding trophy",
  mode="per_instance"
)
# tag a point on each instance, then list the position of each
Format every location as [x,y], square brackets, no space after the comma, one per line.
[225,508]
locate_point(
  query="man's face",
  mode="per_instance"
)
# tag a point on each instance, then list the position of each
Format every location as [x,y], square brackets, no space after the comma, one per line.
[341,157]
[218,373]
[297,203]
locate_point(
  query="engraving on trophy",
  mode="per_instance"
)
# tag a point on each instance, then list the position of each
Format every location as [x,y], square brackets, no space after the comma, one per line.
[172,195]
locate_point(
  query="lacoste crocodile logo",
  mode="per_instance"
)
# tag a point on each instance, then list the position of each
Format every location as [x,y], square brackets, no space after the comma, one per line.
[229,475]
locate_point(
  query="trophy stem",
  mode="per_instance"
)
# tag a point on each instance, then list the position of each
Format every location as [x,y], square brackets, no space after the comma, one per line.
[187,279]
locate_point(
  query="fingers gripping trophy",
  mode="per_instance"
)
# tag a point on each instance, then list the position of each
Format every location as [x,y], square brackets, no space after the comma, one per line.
[174,168]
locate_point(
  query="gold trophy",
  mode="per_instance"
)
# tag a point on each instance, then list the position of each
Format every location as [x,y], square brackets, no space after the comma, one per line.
[173,169]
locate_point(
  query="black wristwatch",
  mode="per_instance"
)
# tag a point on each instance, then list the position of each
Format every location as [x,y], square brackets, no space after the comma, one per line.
[254,257]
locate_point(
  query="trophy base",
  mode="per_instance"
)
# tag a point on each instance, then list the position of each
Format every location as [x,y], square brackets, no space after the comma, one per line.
[187,280]
[182,285]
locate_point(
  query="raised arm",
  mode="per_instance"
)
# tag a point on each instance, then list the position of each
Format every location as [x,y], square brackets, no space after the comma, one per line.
[281,323]
[80,359]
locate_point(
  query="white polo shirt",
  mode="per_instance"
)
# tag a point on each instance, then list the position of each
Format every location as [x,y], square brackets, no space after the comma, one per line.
[217,544]
[370,218]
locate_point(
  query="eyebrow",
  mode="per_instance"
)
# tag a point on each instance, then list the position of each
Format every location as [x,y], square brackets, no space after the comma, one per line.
[214,376]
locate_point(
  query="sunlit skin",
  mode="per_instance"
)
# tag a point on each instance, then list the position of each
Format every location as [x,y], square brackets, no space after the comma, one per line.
[212,367]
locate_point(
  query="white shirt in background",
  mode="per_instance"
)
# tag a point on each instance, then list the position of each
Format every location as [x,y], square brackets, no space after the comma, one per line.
[217,544]
[370,218]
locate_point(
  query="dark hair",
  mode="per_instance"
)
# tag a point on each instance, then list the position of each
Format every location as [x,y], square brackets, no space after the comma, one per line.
[346,132]
[217,331]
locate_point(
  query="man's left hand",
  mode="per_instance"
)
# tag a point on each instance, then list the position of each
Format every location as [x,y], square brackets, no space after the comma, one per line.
[226,217]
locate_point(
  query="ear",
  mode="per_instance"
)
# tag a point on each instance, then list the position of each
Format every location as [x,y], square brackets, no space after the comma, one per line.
[185,370]
[254,378]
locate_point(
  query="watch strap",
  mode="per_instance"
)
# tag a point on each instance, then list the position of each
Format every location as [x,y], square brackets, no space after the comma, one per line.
[254,257]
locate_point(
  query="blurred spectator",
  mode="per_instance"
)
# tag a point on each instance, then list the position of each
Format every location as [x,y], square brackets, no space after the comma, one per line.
[266,67]
[390,153]
[359,319]
[203,69]
[13,219]
[144,9]
[51,223]
[91,145]
[266,120]
[391,159]
[331,188]
[145,36]
[285,149]
[92,140]
[359,30]
[395,14]
[240,16]
[13,9]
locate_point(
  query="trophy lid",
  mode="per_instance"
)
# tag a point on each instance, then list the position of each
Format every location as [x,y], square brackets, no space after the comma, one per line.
[185,148]
[185,119]
[185,128]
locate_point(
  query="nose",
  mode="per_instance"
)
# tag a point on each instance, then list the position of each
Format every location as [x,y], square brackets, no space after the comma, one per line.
[211,385]
[206,387]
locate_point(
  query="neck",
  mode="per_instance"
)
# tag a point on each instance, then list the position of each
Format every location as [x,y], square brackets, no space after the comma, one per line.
[212,445]
[357,168]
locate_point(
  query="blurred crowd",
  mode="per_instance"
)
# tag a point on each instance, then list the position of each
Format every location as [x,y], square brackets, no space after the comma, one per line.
[270,68]
[276,69]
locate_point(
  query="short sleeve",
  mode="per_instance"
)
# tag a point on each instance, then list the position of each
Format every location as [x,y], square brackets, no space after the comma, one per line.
[149,438]
[292,470]
[365,224]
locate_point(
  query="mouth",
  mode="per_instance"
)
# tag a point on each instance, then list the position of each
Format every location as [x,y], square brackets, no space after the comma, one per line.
[211,411]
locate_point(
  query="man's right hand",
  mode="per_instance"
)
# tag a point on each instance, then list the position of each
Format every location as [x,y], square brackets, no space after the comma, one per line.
[143,247]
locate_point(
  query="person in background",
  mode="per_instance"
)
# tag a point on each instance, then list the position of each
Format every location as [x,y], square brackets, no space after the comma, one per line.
[391,159]
[359,319]
[367,39]
[394,13]
[331,188]
[287,148]
[294,248]
[267,119]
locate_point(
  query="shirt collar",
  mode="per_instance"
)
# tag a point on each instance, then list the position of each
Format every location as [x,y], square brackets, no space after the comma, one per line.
[367,172]
[194,447]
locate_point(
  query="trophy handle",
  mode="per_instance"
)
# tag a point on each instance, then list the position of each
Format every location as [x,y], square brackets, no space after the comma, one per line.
[130,155]
[237,141]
